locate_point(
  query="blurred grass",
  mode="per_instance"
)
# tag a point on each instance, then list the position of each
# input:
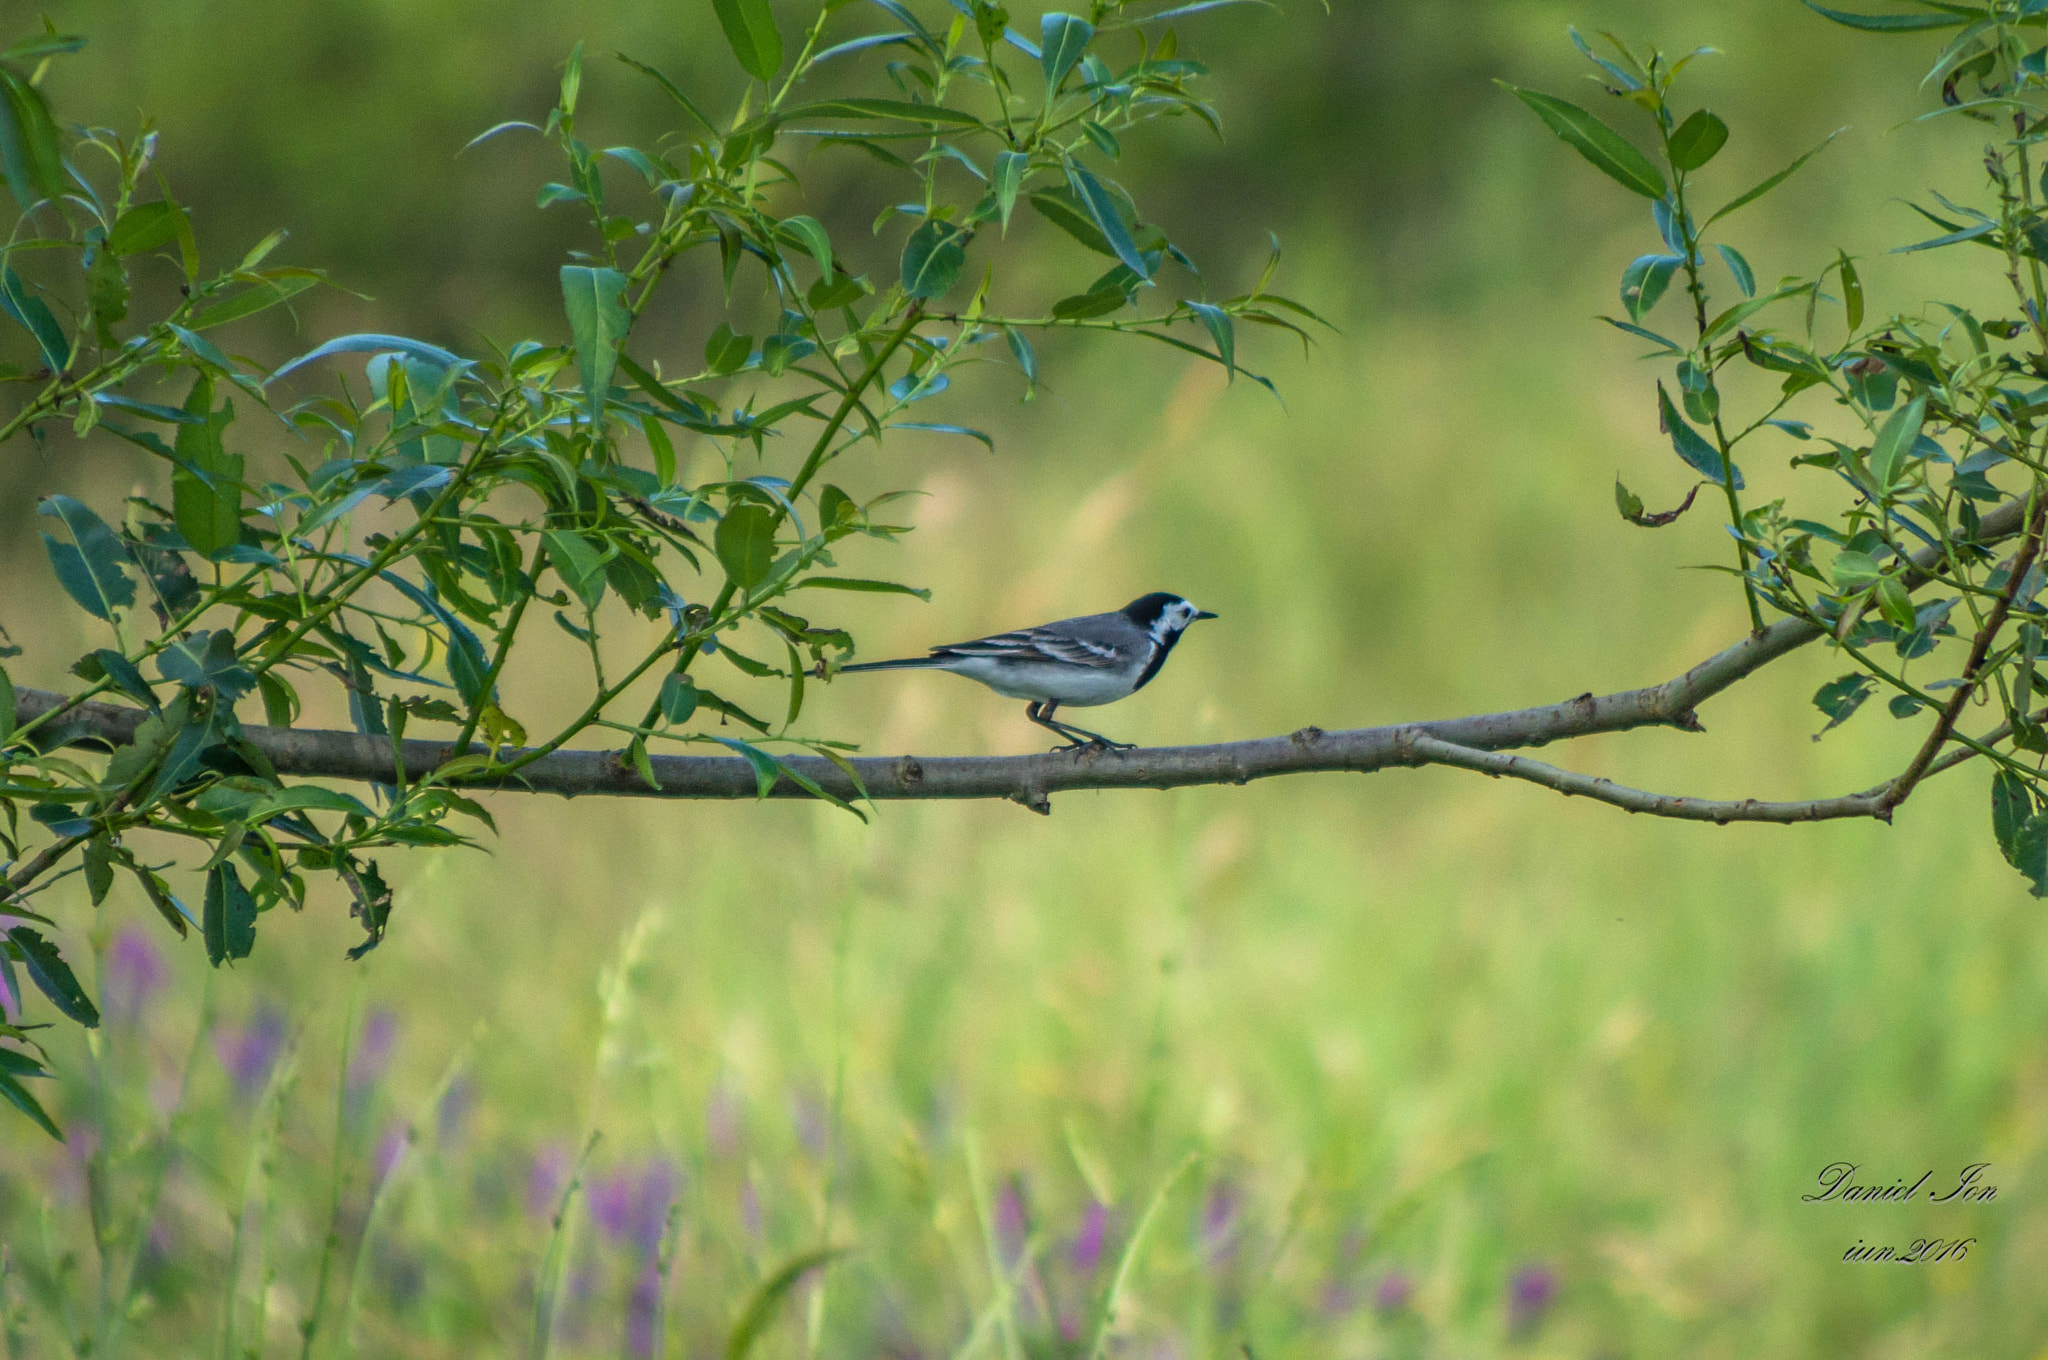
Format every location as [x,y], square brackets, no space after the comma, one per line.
[1471,1069]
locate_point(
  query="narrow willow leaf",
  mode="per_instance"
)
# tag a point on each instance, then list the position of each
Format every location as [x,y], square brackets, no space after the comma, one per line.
[1062,40]
[230,916]
[30,154]
[1751,195]
[1852,291]
[595,299]
[376,344]
[855,583]
[1886,23]
[47,969]
[35,317]
[1698,454]
[1745,279]
[1005,180]
[580,565]
[18,1096]
[1895,441]
[1026,357]
[1103,211]
[92,568]
[206,484]
[810,232]
[904,109]
[1221,329]
[1607,150]
[750,28]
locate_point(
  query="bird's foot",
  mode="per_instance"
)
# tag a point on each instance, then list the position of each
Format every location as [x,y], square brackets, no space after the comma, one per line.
[1091,741]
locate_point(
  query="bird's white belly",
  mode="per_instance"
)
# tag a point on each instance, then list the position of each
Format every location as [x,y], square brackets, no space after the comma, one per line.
[1068,685]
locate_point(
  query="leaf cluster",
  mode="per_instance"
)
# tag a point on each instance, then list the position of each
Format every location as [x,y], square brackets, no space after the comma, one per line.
[384,525]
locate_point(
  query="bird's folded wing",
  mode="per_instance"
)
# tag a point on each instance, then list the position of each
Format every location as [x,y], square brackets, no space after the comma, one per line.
[1038,645]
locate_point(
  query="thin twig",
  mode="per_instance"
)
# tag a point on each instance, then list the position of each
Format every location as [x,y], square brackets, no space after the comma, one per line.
[1899,789]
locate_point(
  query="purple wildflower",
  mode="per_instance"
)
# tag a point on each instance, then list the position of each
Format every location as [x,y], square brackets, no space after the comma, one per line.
[390,1148]
[1219,1220]
[1393,1294]
[452,1116]
[750,1208]
[1013,1220]
[1086,1253]
[807,1115]
[642,1310]
[1531,1292]
[249,1053]
[372,1055]
[545,1179]
[631,1207]
[135,973]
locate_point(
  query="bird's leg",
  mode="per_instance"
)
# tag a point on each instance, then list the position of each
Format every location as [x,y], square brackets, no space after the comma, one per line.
[1041,712]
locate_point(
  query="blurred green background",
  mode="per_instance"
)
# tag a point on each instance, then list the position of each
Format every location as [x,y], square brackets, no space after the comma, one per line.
[1470,1069]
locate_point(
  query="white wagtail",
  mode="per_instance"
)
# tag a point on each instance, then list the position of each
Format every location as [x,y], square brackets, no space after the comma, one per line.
[1096,659]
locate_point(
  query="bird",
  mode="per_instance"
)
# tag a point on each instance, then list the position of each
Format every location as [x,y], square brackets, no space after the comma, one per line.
[1080,663]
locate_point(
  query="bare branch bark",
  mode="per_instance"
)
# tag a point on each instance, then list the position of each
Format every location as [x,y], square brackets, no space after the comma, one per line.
[1032,780]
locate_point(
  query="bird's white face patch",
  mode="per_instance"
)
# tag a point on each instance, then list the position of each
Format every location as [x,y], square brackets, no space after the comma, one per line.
[1173,619]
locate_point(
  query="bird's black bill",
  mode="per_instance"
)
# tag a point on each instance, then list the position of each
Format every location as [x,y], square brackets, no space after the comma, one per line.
[1203,614]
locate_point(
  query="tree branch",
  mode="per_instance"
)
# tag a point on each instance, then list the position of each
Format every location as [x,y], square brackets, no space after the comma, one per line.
[1031,780]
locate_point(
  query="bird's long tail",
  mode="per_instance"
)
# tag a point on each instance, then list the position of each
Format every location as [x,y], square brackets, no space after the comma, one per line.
[908,663]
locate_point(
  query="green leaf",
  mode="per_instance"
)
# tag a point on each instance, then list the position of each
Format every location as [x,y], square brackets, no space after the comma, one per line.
[1698,454]
[99,866]
[678,698]
[230,916]
[18,1096]
[30,154]
[1697,141]
[2021,832]
[206,483]
[766,768]
[1840,698]
[46,45]
[1005,179]
[596,302]
[905,109]
[580,565]
[1745,279]
[35,317]
[1063,210]
[1852,291]
[1062,38]
[761,1308]
[636,756]
[47,969]
[261,297]
[145,226]
[1102,210]
[1756,192]
[1855,570]
[7,710]
[1026,357]
[750,27]
[726,352]
[371,343]
[857,583]
[1886,23]
[932,258]
[810,232]
[1221,329]
[94,571]
[745,542]
[1607,150]
[1645,281]
[1628,502]
[1895,441]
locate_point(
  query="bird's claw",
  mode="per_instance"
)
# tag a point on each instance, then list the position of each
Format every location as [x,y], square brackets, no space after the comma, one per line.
[1095,743]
